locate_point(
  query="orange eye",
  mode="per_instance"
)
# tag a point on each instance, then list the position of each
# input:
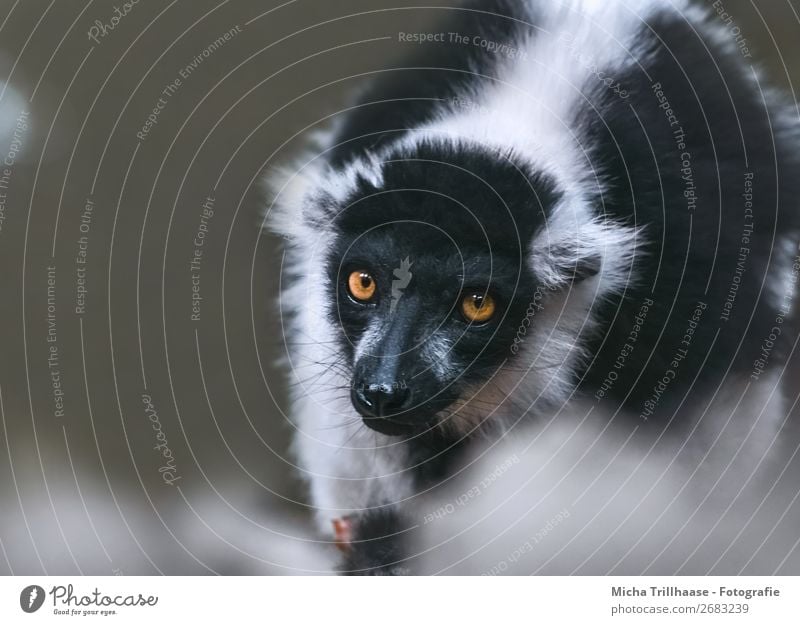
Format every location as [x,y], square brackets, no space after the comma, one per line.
[361,286]
[478,307]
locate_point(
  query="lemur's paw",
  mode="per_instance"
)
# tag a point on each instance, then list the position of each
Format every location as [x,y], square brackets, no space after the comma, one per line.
[373,543]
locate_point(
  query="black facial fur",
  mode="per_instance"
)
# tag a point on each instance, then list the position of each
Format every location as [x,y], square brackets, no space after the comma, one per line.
[462,218]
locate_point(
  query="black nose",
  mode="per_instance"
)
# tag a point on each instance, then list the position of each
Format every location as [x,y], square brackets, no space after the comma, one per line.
[380,400]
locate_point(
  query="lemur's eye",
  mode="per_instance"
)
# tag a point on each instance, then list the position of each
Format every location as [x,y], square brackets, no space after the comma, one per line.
[361,286]
[478,307]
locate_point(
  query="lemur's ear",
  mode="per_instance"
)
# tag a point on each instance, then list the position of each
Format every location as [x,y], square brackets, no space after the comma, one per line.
[289,192]
[304,198]
[573,246]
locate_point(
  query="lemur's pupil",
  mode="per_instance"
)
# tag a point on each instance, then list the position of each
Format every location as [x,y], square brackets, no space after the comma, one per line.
[365,281]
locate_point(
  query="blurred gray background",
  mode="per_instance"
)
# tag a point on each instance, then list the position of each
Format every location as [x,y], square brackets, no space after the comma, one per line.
[82,486]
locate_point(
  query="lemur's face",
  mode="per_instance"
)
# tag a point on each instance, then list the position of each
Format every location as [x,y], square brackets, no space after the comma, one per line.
[430,278]
[423,317]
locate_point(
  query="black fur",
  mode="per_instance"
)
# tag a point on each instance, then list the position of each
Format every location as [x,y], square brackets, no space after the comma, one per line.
[728,130]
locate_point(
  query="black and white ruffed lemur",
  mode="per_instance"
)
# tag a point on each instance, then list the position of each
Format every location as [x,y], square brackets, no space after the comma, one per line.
[602,204]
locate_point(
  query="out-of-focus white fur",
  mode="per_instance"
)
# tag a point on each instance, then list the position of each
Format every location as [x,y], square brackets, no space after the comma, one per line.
[580,493]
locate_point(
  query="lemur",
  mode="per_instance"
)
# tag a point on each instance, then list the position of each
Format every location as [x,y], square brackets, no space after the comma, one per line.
[589,200]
